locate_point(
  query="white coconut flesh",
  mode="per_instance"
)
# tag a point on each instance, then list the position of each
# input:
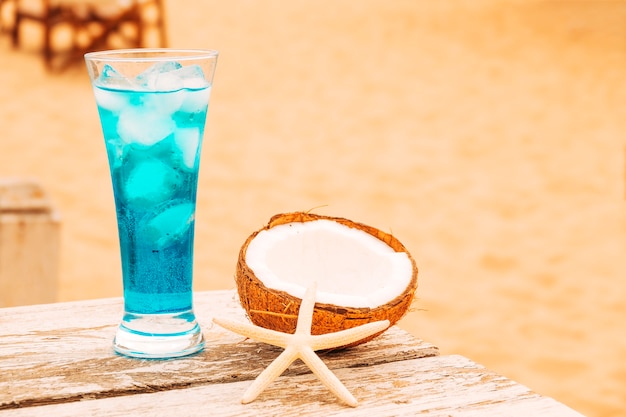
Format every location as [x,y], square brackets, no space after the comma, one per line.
[350,267]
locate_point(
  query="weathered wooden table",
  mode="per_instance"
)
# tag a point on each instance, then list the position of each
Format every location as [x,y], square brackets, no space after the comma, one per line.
[57,360]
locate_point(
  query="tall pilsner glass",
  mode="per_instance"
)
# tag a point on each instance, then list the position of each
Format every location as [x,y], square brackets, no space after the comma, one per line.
[152,105]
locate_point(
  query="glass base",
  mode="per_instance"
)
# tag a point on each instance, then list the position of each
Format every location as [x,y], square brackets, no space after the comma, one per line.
[158,336]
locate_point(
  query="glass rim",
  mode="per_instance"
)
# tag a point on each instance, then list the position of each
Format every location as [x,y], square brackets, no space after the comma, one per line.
[150,54]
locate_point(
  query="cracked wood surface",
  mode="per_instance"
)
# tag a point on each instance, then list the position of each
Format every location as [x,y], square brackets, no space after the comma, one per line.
[433,386]
[57,359]
[62,352]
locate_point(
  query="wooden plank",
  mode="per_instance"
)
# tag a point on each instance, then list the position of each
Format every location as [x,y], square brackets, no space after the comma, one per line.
[29,244]
[434,386]
[62,352]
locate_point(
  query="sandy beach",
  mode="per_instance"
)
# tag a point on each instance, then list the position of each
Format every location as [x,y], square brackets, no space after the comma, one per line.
[486,135]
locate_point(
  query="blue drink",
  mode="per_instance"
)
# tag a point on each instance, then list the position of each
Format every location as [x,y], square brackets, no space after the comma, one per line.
[155,194]
[153,125]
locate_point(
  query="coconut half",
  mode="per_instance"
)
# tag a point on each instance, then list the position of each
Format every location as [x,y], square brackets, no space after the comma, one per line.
[362,274]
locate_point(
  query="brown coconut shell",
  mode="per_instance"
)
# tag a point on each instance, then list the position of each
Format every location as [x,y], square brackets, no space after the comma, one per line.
[278,310]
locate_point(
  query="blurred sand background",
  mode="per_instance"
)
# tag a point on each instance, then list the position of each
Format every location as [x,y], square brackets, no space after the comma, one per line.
[487,135]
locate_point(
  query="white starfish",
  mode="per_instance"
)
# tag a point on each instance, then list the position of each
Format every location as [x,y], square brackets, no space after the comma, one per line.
[301,345]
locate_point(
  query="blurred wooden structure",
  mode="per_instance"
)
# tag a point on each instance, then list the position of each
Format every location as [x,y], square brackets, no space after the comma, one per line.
[6,9]
[29,244]
[88,25]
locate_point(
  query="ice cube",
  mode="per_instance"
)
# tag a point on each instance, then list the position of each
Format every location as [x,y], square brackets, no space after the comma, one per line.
[112,101]
[195,101]
[164,103]
[167,82]
[106,89]
[115,152]
[113,80]
[192,77]
[161,77]
[144,127]
[150,183]
[187,140]
[168,224]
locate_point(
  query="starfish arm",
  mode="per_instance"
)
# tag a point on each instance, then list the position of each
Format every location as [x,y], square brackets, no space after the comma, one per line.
[261,334]
[269,374]
[345,337]
[305,313]
[327,377]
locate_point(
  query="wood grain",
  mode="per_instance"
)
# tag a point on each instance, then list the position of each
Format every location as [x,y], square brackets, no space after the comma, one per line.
[434,386]
[59,353]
